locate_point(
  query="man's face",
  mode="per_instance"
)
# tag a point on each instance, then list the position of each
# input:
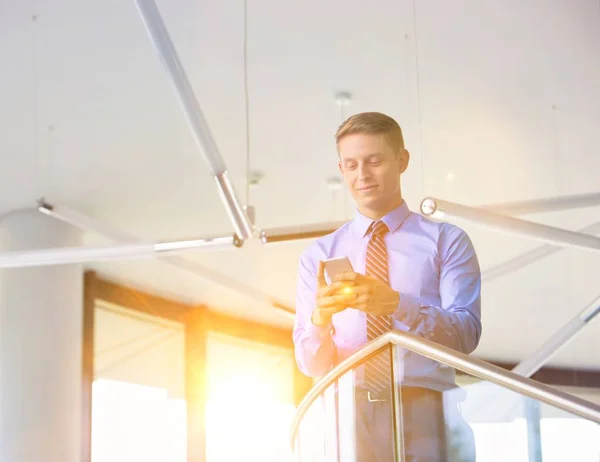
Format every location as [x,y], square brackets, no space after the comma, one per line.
[371,170]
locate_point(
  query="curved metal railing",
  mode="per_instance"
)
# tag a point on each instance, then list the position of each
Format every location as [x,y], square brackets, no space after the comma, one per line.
[457,360]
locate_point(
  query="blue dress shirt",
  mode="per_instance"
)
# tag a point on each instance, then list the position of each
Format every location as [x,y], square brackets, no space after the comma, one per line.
[432,265]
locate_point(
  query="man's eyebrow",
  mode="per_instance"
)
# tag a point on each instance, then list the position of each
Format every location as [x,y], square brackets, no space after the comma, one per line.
[373,154]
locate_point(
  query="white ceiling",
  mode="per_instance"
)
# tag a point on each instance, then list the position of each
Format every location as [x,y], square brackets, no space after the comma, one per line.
[499,101]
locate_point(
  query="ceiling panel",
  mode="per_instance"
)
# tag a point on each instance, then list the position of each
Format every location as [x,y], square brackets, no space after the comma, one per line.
[498,102]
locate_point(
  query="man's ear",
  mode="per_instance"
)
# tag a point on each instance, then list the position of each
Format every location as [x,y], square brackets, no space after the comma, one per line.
[340,166]
[403,158]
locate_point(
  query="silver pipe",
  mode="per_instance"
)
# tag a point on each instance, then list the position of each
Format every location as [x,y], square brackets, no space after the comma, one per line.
[457,360]
[295,233]
[164,46]
[83,222]
[535,362]
[237,214]
[218,242]
[68,255]
[437,208]
[551,204]
[89,224]
[591,312]
[530,257]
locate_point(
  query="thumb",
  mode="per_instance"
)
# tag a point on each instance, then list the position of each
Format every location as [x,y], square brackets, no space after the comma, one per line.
[321,275]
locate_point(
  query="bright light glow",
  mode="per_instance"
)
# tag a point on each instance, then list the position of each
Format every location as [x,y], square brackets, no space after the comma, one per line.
[249,407]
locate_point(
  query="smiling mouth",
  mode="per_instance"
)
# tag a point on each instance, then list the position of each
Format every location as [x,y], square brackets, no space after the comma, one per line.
[367,188]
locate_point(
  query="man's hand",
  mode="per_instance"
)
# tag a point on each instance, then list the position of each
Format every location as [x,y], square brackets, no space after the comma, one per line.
[370,294]
[331,298]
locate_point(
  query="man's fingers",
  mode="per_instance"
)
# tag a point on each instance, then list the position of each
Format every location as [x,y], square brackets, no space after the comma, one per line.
[358,290]
[350,277]
[361,301]
[321,275]
[338,287]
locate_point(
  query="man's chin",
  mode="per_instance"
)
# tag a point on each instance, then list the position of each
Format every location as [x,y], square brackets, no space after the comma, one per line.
[370,201]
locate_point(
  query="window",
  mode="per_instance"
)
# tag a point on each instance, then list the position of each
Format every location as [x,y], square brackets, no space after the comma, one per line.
[136,422]
[138,394]
[250,401]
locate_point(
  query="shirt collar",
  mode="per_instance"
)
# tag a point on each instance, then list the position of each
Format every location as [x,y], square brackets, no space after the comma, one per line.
[393,220]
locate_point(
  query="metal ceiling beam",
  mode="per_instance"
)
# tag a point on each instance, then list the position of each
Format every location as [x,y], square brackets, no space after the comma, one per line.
[437,208]
[536,361]
[295,233]
[164,46]
[127,251]
[84,223]
[530,257]
[89,224]
[551,204]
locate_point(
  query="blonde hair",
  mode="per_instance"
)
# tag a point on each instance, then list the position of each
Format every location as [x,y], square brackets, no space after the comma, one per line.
[372,123]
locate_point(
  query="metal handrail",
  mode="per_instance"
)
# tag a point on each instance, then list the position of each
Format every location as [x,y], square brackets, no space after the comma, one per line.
[457,360]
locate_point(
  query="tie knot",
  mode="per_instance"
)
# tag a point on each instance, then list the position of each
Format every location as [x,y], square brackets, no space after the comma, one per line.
[379,228]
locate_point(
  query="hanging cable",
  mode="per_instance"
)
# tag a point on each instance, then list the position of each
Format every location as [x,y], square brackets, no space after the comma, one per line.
[48,166]
[419,115]
[137,352]
[343,99]
[246,103]
[34,108]
[555,149]
[129,341]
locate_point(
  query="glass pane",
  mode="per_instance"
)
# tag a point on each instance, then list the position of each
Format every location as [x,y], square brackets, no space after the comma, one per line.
[316,439]
[139,410]
[374,409]
[451,416]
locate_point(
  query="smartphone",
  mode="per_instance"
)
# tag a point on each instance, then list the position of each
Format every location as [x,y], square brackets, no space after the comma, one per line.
[335,266]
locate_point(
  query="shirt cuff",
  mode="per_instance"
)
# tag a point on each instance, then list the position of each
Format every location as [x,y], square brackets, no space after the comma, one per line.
[319,331]
[408,309]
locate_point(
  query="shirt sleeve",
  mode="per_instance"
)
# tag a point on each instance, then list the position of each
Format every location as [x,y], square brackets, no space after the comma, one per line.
[314,347]
[457,322]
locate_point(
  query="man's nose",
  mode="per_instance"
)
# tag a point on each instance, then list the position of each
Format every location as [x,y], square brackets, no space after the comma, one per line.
[363,171]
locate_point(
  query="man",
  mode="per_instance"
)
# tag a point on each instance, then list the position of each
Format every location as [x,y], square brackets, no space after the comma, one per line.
[410,274]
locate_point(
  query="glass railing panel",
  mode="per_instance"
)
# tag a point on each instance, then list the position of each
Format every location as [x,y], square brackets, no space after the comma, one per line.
[352,420]
[317,433]
[434,412]
[374,410]
[448,415]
